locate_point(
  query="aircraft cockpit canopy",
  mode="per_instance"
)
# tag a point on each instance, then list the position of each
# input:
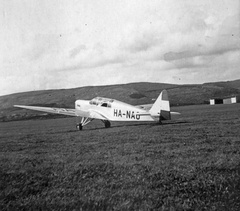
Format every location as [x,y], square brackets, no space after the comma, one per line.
[100,101]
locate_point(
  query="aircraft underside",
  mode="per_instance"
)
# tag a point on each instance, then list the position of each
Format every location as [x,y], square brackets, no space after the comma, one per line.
[86,120]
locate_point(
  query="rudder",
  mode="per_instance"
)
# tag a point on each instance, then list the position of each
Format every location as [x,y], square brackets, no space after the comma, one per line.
[161,107]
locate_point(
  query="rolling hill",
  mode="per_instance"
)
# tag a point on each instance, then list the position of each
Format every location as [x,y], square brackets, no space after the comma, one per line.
[133,93]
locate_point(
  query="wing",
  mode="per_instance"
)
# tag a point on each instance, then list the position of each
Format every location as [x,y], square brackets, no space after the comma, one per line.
[64,111]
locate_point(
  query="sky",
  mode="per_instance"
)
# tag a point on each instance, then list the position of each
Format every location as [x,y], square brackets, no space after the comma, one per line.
[56,44]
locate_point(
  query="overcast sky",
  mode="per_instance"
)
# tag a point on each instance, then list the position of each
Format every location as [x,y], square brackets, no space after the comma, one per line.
[52,44]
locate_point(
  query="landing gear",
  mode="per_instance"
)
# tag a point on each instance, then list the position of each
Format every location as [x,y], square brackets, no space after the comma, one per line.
[160,120]
[79,126]
[84,121]
[107,124]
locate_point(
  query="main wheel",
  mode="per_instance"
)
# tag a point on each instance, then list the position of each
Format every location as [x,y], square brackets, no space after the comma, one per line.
[79,126]
[107,124]
[160,120]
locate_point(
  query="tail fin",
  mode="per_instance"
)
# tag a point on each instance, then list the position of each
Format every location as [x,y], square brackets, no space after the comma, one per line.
[161,107]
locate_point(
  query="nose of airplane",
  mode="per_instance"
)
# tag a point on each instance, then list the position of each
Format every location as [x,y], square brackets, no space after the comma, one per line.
[80,104]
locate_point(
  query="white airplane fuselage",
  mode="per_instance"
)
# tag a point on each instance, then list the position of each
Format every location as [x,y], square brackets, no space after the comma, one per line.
[114,110]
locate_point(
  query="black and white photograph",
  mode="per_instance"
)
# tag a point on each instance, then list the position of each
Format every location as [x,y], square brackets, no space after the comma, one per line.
[120,105]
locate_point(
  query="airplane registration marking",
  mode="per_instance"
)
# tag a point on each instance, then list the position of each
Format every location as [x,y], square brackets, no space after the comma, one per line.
[127,115]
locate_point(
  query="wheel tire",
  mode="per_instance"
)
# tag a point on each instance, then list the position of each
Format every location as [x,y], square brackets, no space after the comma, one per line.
[107,124]
[160,120]
[79,126]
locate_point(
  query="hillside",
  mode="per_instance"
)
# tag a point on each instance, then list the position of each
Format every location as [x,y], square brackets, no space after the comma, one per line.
[133,93]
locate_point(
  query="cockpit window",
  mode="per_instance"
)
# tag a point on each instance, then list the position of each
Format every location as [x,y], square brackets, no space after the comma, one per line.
[104,102]
[104,105]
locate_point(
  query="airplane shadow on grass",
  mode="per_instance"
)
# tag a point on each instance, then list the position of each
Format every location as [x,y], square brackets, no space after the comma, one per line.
[147,124]
[152,124]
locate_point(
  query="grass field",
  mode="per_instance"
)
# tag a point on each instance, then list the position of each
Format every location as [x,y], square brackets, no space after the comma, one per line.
[190,163]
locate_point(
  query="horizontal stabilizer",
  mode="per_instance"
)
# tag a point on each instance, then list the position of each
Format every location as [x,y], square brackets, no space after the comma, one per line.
[175,113]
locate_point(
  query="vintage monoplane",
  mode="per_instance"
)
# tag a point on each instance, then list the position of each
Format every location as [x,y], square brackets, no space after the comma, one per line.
[108,110]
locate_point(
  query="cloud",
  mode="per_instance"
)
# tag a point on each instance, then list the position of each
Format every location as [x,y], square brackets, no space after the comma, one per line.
[42,45]
[196,49]
[145,40]
[226,40]
[66,44]
[75,51]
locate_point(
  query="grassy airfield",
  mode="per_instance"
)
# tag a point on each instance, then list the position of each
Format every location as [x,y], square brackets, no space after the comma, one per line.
[190,163]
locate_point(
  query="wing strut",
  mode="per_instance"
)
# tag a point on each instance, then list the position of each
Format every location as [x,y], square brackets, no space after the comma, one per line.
[84,121]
